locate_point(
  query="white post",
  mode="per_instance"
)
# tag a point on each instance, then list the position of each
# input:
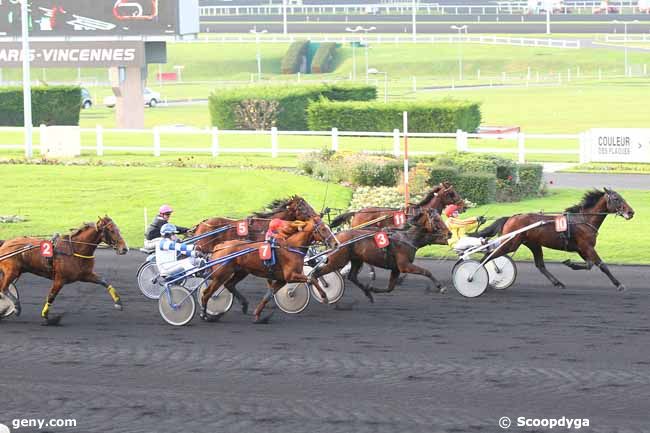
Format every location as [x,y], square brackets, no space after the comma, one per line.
[406,159]
[396,143]
[42,129]
[548,17]
[521,145]
[99,140]
[461,141]
[528,75]
[284,17]
[414,21]
[156,141]
[415,86]
[478,74]
[600,74]
[27,85]
[215,142]
[568,74]
[274,142]
[335,139]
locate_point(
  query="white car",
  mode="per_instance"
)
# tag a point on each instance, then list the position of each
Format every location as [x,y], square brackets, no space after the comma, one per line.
[151,99]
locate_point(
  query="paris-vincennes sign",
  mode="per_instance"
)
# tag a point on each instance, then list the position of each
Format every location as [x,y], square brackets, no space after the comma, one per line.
[74,54]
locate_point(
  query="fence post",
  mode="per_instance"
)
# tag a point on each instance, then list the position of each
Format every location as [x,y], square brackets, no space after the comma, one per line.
[521,145]
[156,141]
[335,139]
[461,141]
[396,143]
[215,142]
[274,142]
[99,133]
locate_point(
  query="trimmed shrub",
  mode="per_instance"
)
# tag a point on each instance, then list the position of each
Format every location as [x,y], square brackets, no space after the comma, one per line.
[350,92]
[324,59]
[530,179]
[439,174]
[294,58]
[52,105]
[372,173]
[479,188]
[290,114]
[443,116]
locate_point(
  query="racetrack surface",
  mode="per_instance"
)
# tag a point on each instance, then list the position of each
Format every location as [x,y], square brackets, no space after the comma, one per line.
[411,362]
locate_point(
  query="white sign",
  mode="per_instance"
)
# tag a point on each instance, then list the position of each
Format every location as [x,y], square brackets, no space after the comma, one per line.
[60,141]
[620,145]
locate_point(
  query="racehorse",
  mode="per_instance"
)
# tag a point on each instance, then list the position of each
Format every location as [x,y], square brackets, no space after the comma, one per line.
[583,222]
[73,260]
[290,249]
[290,209]
[426,227]
[440,196]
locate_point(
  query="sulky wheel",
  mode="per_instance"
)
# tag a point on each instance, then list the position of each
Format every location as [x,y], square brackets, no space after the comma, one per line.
[502,272]
[177,306]
[292,298]
[332,284]
[149,280]
[219,303]
[470,278]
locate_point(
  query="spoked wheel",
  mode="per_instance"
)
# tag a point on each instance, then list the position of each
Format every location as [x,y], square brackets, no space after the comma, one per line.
[7,307]
[220,302]
[470,278]
[502,272]
[149,280]
[177,307]
[332,284]
[292,298]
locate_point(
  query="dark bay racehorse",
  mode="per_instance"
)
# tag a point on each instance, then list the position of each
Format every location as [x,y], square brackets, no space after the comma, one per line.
[426,228]
[440,196]
[290,250]
[73,260]
[584,220]
[291,209]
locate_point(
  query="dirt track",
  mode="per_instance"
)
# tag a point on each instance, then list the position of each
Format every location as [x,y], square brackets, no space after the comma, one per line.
[413,361]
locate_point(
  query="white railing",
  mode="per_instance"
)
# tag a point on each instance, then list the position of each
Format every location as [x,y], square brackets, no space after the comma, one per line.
[628,38]
[462,141]
[393,39]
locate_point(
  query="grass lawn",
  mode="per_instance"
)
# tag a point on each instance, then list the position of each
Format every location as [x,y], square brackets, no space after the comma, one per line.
[56,198]
[619,241]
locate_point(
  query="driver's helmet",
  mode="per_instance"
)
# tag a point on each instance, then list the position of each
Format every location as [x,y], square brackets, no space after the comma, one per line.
[168,229]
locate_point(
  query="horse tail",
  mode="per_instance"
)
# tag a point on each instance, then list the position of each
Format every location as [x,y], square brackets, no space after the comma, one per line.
[493,229]
[343,218]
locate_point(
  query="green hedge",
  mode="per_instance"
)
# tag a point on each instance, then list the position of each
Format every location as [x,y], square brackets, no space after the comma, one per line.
[530,178]
[443,116]
[292,60]
[371,173]
[350,92]
[293,102]
[52,105]
[324,59]
[479,188]
[438,174]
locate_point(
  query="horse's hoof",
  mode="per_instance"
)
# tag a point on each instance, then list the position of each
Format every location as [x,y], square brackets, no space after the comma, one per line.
[263,320]
[369,296]
[442,290]
[52,321]
[559,285]
[620,288]
[567,262]
[118,306]
[211,318]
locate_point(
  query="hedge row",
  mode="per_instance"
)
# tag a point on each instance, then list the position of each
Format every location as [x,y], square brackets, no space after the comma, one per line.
[324,59]
[52,105]
[443,116]
[294,57]
[293,102]
[480,188]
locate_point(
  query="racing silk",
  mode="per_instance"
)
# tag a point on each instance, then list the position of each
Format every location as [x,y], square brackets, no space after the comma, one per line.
[167,251]
[153,231]
[458,227]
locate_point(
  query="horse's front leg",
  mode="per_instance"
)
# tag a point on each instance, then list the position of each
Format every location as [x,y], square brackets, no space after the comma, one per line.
[273,287]
[392,282]
[57,284]
[406,267]
[96,279]
[591,256]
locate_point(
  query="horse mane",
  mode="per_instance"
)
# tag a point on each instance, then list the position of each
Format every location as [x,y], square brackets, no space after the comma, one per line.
[75,232]
[430,195]
[588,200]
[276,206]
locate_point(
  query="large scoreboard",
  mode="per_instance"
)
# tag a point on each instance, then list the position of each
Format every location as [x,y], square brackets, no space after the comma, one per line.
[101,18]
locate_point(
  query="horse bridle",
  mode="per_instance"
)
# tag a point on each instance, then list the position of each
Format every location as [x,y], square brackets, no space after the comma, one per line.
[107,235]
[617,210]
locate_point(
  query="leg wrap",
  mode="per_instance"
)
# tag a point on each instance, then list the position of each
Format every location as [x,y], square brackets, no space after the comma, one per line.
[46,309]
[113,293]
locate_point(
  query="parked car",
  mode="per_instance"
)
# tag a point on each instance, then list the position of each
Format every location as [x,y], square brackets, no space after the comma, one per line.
[86,99]
[151,99]
[644,6]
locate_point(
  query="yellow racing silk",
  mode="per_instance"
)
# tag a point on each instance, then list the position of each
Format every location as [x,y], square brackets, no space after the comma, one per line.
[458,227]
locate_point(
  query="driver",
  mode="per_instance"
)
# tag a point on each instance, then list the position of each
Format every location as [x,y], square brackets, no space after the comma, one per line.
[152,236]
[459,227]
[167,250]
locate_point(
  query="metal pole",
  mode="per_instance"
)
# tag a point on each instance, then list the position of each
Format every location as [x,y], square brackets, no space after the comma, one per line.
[625,43]
[406,159]
[366,60]
[354,61]
[284,17]
[548,18]
[259,57]
[385,87]
[27,87]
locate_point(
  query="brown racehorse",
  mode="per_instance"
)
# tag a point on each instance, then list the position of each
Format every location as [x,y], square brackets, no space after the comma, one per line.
[440,196]
[291,209]
[73,260]
[584,220]
[290,250]
[426,227]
